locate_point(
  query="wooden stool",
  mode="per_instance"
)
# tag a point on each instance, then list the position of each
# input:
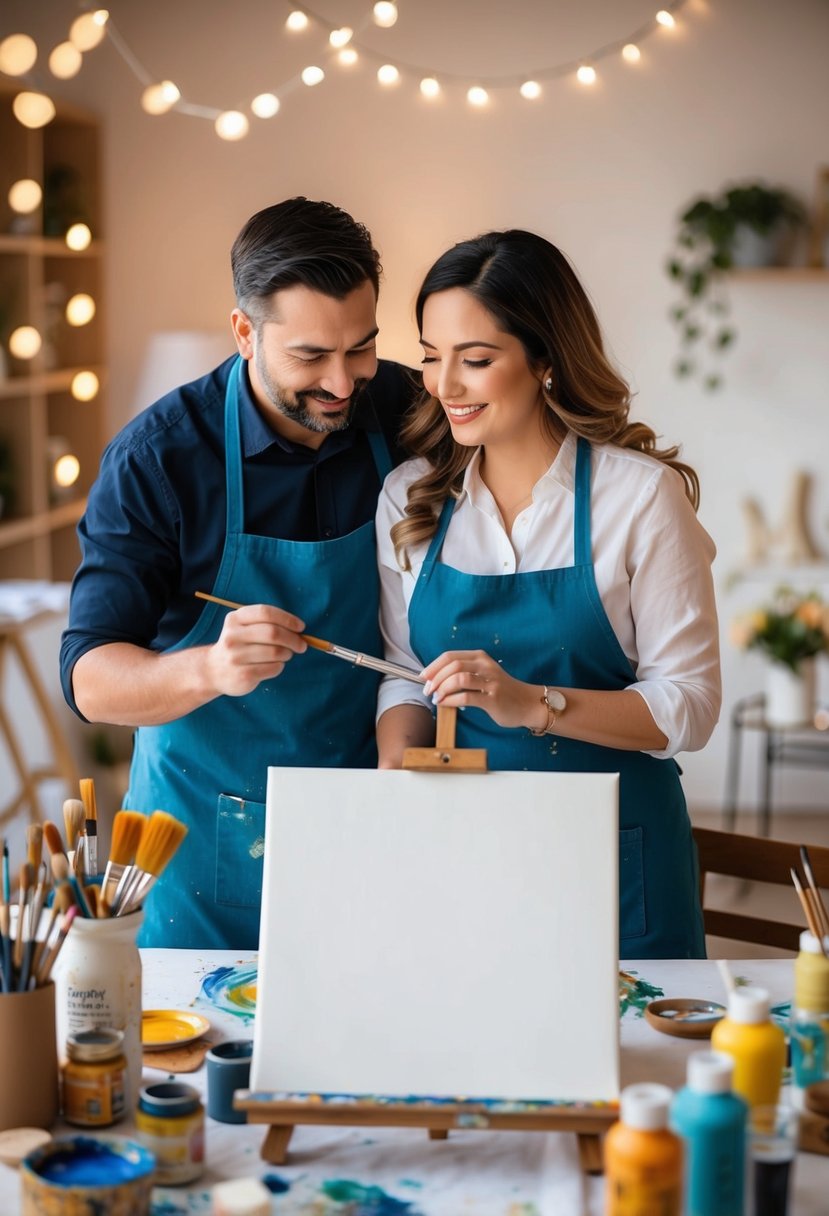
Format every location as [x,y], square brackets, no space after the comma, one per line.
[12,641]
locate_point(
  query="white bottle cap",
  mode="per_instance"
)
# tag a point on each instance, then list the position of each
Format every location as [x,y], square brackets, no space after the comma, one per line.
[710,1072]
[809,944]
[646,1106]
[748,1005]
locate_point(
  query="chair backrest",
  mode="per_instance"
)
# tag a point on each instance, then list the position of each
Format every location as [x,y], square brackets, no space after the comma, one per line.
[754,859]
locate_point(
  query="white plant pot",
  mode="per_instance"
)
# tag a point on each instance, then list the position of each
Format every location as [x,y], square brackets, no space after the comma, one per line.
[790,697]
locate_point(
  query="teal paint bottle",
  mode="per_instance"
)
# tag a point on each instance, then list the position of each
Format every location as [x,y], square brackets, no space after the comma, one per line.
[712,1119]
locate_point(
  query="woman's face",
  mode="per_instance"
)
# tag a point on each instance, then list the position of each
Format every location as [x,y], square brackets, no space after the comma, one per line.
[479,374]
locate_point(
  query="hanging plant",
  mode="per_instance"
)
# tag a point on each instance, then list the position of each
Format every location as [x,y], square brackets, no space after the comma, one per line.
[747,225]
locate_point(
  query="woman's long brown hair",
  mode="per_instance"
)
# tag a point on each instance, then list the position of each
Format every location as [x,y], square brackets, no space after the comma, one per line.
[533,293]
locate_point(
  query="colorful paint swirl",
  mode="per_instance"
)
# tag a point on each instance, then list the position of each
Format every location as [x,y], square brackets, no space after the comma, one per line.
[231,990]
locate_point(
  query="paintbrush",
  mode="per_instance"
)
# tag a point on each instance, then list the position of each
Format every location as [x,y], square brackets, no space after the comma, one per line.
[806,905]
[127,827]
[814,890]
[24,895]
[74,820]
[49,960]
[6,881]
[338,652]
[34,845]
[91,840]
[61,874]
[30,943]
[159,842]
[53,839]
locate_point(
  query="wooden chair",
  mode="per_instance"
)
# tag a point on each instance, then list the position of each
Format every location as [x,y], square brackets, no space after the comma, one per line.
[754,859]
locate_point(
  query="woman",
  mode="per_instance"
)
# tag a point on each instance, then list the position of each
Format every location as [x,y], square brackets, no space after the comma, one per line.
[541,561]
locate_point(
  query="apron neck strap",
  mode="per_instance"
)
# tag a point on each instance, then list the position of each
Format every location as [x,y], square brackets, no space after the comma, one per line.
[582,541]
[233,453]
[380,452]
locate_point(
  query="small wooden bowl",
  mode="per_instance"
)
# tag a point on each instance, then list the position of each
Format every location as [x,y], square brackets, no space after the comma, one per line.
[684,1017]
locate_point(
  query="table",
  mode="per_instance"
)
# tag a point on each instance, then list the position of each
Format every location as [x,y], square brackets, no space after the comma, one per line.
[801,746]
[397,1172]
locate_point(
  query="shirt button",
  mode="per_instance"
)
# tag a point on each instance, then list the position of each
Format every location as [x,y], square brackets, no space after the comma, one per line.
[328,533]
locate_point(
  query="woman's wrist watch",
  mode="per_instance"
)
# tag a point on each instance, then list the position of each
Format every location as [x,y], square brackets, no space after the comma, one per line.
[556,703]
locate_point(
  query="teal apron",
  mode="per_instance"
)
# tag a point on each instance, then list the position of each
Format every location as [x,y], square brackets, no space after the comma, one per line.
[550,627]
[209,768]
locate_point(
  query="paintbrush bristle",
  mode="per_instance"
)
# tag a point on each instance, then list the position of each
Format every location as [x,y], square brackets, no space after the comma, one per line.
[127,829]
[88,797]
[34,844]
[27,876]
[60,867]
[74,819]
[317,643]
[54,842]
[159,841]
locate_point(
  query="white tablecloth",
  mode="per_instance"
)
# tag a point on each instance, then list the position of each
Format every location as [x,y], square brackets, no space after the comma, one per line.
[391,1172]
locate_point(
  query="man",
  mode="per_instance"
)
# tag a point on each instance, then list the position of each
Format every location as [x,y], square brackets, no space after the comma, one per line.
[258,484]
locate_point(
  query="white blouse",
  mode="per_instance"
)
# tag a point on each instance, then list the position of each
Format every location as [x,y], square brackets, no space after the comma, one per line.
[652,562]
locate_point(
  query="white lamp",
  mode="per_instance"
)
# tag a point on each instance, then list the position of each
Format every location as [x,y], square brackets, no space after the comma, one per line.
[175,357]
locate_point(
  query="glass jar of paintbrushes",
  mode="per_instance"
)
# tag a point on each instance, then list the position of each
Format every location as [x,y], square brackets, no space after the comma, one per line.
[98,976]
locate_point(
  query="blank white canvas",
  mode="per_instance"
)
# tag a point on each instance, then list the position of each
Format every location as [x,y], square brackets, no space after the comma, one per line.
[439,934]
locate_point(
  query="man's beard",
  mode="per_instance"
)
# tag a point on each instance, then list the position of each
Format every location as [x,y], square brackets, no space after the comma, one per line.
[298,411]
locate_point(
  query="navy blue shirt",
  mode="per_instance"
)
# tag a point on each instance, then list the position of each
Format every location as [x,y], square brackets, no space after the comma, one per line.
[154,528]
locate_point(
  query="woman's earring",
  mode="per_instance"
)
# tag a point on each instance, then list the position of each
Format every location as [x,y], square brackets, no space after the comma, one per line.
[548,384]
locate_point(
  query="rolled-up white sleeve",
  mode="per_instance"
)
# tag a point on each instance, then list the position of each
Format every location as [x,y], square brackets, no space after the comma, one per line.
[669,556]
[395,592]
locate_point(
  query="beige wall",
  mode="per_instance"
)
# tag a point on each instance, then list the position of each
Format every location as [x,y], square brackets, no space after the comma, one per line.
[739,90]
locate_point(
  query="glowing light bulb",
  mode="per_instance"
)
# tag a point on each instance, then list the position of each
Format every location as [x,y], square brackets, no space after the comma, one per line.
[385,14]
[429,87]
[631,53]
[476,96]
[265,105]
[232,125]
[586,74]
[665,18]
[25,342]
[33,110]
[25,196]
[388,74]
[312,75]
[80,309]
[531,90]
[347,56]
[78,237]
[84,386]
[296,21]
[65,61]
[18,53]
[66,470]
[89,29]
[341,37]
[159,98]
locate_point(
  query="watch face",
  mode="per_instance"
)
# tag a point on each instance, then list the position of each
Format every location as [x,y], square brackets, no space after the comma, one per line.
[556,700]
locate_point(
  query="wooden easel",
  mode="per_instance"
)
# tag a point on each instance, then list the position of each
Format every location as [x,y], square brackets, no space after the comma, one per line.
[283,1112]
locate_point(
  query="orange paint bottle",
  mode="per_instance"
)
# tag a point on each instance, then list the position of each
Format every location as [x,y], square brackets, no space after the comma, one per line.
[643,1159]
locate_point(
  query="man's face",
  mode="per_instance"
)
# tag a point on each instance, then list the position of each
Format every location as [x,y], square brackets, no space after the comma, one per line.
[310,356]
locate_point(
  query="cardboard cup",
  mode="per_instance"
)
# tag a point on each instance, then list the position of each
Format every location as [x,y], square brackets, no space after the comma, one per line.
[28,1059]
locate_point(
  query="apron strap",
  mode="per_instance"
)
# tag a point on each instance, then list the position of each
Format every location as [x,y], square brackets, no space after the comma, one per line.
[233,453]
[582,541]
[381,454]
[437,540]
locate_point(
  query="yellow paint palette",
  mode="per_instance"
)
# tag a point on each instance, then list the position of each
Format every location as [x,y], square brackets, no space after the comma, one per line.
[162,1028]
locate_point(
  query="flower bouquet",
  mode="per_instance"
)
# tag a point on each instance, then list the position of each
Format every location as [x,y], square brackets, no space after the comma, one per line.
[792,628]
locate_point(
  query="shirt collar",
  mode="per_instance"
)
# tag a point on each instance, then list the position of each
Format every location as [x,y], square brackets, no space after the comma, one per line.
[562,472]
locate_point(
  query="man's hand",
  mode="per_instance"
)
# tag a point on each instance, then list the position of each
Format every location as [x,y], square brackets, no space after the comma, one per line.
[255,644]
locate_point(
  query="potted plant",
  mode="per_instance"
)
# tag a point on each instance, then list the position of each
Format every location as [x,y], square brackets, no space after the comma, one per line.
[746,225]
[790,631]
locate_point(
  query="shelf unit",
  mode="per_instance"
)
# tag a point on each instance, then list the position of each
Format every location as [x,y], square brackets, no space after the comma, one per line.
[38,274]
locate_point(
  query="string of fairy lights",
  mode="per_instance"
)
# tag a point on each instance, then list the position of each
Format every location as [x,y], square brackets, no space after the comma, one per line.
[339,48]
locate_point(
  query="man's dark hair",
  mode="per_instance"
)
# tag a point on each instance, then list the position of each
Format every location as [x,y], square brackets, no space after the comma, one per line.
[300,241]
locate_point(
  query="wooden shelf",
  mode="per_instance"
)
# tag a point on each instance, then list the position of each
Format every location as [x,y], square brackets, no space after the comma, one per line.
[13,531]
[39,273]
[792,274]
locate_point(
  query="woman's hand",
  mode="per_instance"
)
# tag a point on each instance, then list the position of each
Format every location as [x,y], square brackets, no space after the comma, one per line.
[472,677]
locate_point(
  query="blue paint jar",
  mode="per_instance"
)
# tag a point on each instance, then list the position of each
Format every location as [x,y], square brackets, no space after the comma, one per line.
[712,1121]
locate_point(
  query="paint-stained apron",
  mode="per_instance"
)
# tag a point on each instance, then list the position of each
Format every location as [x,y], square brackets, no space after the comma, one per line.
[549,627]
[210,767]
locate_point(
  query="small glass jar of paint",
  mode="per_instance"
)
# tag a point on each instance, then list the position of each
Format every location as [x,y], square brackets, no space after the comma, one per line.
[94,1078]
[170,1123]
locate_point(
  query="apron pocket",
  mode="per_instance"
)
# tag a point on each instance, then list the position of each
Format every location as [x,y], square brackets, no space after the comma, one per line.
[240,846]
[631,885]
